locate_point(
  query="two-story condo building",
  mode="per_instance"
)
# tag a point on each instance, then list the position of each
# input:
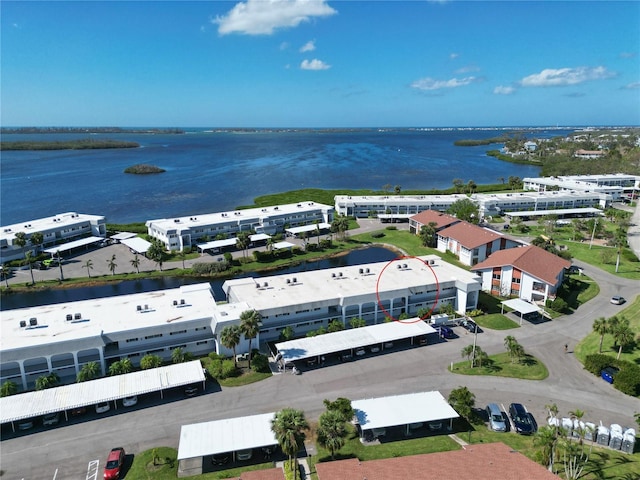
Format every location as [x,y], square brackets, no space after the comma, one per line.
[178,233]
[56,230]
[392,206]
[615,185]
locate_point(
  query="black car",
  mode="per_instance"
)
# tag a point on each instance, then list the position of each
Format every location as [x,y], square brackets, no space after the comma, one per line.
[444,332]
[521,419]
[471,326]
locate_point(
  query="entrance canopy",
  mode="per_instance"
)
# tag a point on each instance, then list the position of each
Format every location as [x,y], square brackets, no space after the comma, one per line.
[307,228]
[65,247]
[309,347]
[521,306]
[228,435]
[402,410]
[137,244]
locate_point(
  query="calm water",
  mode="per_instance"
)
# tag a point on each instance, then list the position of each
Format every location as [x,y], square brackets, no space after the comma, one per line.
[22,300]
[218,171]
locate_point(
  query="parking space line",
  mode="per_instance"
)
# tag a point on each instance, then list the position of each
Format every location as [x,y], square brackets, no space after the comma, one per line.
[55,474]
[92,470]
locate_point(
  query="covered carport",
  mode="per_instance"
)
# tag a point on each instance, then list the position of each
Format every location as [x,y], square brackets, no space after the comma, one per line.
[402,410]
[295,231]
[66,247]
[216,245]
[137,244]
[520,306]
[108,389]
[349,340]
[220,437]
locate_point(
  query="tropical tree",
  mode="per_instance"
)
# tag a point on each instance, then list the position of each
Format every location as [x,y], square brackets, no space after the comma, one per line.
[428,234]
[89,266]
[357,322]
[178,355]
[242,242]
[89,371]
[510,343]
[601,327]
[111,263]
[468,352]
[335,325]
[317,222]
[622,334]
[620,241]
[49,380]
[471,186]
[547,439]
[250,326]
[341,405]
[462,401]
[457,184]
[332,431]
[6,273]
[340,225]
[464,209]
[36,239]
[30,262]
[270,243]
[8,388]
[150,361]
[287,333]
[135,263]
[20,239]
[121,367]
[59,258]
[397,189]
[289,427]
[156,252]
[230,338]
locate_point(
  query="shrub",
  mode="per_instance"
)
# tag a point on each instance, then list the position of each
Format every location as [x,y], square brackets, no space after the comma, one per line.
[628,379]
[391,227]
[229,369]
[377,234]
[260,363]
[475,313]
[200,268]
[325,243]
[597,361]
[558,305]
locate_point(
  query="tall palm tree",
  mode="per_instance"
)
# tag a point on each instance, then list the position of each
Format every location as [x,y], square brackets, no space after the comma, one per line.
[462,401]
[468,352]
[111,263]
[623,335]
[242,242]
[230,338]
[30,261]
[89,266]
[250,326]
[89,371]
[510,343]
[601,327]
[135,263]
[547,439]
[20,239]
[332,432]
[59,258]
[289,425]
[5,272]
[36,239]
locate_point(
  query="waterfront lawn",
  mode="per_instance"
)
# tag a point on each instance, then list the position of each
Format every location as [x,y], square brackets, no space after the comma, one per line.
[500,365]
[589,344]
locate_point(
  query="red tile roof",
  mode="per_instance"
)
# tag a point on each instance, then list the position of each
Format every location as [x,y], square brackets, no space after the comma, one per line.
[440,219]
[533,260]
[469,235]
[270,474]
[491,461]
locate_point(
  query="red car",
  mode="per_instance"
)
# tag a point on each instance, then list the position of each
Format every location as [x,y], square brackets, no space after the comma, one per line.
[115,460]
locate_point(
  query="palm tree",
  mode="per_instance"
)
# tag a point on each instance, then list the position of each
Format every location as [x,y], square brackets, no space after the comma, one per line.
[547,439]
[242,242]
[112,264]
[150,361]
[135,263]
[270,243]
[89,266]
[230,338]
[468,352]
[462,401]
[510,343]
[156,252]
[36,239]
[47,381]
[5,272]
[289,425]
[250,326]
[89,371]
[59,258]
[20,239]
[178,355]
[472,186]
[182,255]
[30,261]
[601,327]
[332,432]
[121,367]
[8,388]
[623,335]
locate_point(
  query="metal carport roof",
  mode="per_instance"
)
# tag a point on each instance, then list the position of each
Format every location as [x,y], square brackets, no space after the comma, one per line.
[308,347]
[136,244]
[228,435]
[402,410]
[63,247]
[521,306]
[308,228]
[66,397]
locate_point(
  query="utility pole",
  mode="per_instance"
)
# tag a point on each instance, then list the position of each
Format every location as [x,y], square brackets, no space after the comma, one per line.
[595,224]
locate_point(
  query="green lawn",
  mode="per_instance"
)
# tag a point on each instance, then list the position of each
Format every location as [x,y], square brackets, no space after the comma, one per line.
[529,368]
[244,379]
[590,343]
[495,321]
[593,256]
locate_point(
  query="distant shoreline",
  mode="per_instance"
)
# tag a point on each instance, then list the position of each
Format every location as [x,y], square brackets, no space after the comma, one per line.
[84,144]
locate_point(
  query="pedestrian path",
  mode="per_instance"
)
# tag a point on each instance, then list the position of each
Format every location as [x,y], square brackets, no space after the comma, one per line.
[304,466]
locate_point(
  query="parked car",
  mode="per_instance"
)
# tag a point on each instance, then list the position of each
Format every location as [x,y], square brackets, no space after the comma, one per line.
[471,326]
[25,424]
[244,455]
[496,419]
[609,373]
[191,390]
[221,459]
[113,467]
[379,432]
[374,348]
[103,407]
[78,411]
[435,425]
[617,300]
[360,351]
[51,419]
[130,401]
[444,332]
[521,419]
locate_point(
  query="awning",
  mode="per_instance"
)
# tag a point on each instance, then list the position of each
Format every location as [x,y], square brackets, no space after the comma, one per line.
[521,306]
[136,244]
[64,247]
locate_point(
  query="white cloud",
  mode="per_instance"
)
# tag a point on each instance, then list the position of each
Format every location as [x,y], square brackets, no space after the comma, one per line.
[314,64]
[310,46]
[433,84]
[454,55]
[262,17]
[502,90]
[632,86]
[468,69]
[554,77]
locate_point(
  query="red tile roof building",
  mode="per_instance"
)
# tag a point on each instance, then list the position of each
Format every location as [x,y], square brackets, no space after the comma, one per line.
[530,273]
[492,461]
[442,220]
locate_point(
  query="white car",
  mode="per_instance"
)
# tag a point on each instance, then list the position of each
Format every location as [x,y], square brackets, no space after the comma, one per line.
[360,351]
[129,401]
[244,454]
[102,407]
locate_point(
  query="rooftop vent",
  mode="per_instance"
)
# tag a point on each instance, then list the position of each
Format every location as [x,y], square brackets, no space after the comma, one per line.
[361,271]
[177,220]
[257,285]
[139,308]
[69,317]
[295,280]
[23,323]
[33,321]
[367,270]
[432,262]
[265,285]
[77,316]
[333,275]
[175,302]
[288,280]
[182,302]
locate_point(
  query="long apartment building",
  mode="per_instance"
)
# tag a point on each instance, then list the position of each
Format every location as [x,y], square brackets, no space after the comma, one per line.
[392,206]
[616,185]
[61,338]
[179,233]
[57,229]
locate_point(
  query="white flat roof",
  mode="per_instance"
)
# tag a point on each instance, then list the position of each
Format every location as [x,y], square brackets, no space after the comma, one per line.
[63,247]
[228,435]
[137,244]
[302,348]
[123,235]
[47,224]
[281,245]
[101,316]
[256,237]
[58,399]
[226,242]
[521,306]
[402,410]
[559,211]
[308,228]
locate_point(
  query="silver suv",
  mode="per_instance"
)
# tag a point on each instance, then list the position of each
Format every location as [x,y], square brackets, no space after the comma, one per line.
[496,419]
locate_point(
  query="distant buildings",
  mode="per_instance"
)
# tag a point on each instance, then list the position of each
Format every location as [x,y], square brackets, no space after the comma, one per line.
[56,230]
[183,232]
[616,185]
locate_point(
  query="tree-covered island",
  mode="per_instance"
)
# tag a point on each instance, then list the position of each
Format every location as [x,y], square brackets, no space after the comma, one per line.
[79,144]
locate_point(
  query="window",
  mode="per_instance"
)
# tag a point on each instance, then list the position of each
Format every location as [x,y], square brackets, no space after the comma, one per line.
[178,333]
[515,280]
[131,340]
[496,276]
[157,335]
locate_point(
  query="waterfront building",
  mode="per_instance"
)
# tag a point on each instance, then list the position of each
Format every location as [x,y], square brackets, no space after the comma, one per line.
[530,273]
[390,207]
[184,232]
[61,338]
[56,230]
[617,185]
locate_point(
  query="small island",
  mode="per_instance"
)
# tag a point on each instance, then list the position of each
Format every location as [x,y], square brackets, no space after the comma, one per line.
[88,144]
[143,169]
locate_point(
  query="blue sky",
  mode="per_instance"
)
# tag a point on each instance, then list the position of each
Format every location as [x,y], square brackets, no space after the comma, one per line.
[315,63]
